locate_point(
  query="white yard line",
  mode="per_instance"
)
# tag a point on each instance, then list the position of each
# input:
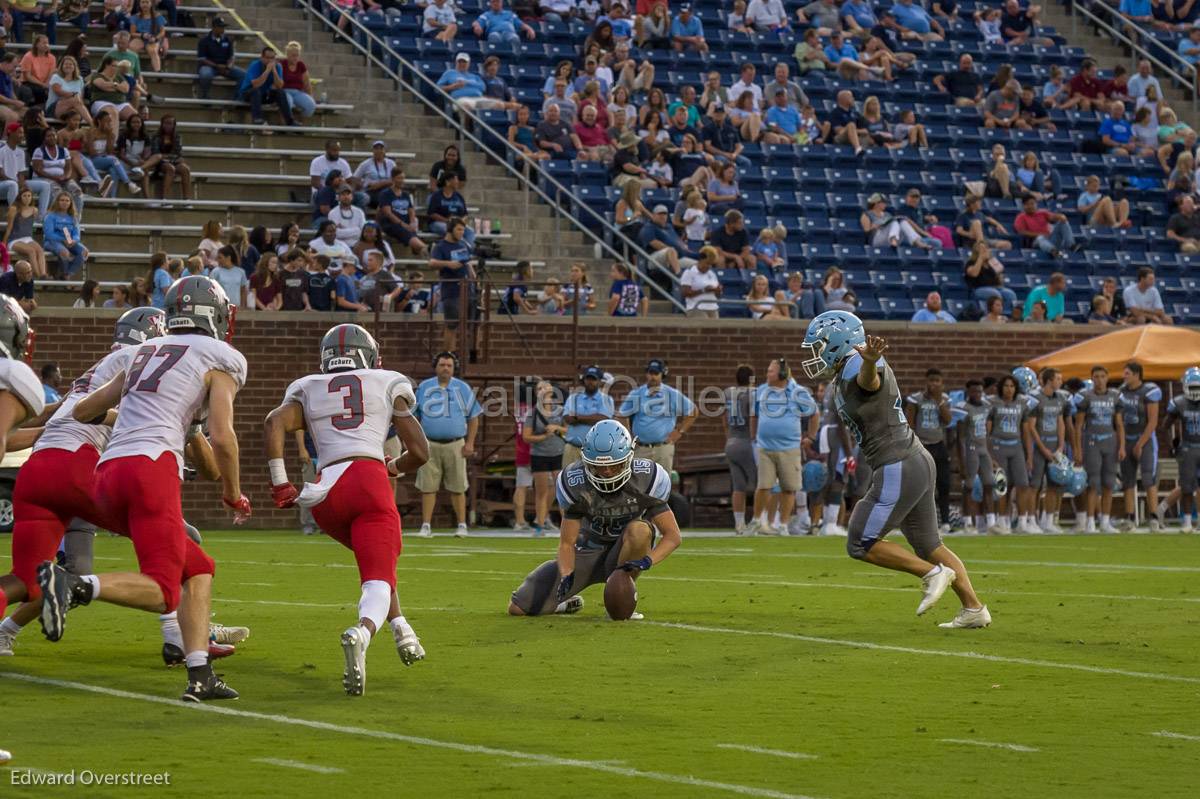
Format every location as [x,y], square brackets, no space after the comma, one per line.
[271,761]
[990,744]
[1176,735]
[414,740]
[773,752]
[909,650]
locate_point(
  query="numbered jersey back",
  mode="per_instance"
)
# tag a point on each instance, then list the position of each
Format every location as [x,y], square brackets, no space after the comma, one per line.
[348,413]
[62,431]
[165,393]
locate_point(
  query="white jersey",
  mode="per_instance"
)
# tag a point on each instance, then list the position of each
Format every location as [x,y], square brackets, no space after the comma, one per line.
[165,393]
[348,413]
[17,377]
[62,431]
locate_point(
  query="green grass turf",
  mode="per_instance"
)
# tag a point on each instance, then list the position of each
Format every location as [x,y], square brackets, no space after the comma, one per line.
[774,670]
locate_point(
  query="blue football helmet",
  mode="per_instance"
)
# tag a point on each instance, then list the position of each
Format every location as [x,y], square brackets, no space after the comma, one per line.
[1078,483]
[1027,380]
[814,477]
[832,337]
[1191,383]
[1059,471]
[999,482]
[608,444]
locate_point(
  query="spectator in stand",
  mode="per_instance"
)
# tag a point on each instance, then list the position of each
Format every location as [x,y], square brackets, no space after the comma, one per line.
[465,87]
[19,284]
[1102,312]
[1086,89]
[18,233]
[743,116]
[323,164]
[803,302]
[1033,111]
[119,299]
[652,31]
[148,33]
[347,217]
[858,18]
[846,122]
[267,283]
[439,22]
[680,126]
[1115,131]
[768,16]
[214,53]
[210,243]
[687,31]
[15,176]
[110,91]
[451,256]
[1050,232]
[933,311]
[345,290]
[1143,301]
[372,238]
[296,82]
[138,297]
[567,108]
[60,236]
[521,136]
[557,10]
[911,210]
[844,55]
[633,75]
[1138,12]
[1001,108]
[984,276]
[1053,296]
[1145,131]
[247,253]
[11,108]
[498,25]
[972,225]
[37,66]
[824,16]
[686,101]
[810,55]
[987,20]
[378,288]
[320,283]
[1116,302]
[166,156]
[721,138]
[1019,24]
[232,278]
[328,244]
[325,200]
[701,288]
[625,296]
[65,92]
[52,163]
[761,303]
[1099,210]
[994,313]
[1184,226]
[375,173]
[768,253]
[620,105]
[912,17]
[451,162]
[586,294]
[962,84]
[495,87]
[618,20]
[626,167]
[783,120]
[594,144]
[397,215]
[781,80]
[882,228]
[745,84]
[1189,48]
[446,205]
[667,250]
[294,283]
[1055,91]
[732,243]
[89,297]
[838,296]
[555,136]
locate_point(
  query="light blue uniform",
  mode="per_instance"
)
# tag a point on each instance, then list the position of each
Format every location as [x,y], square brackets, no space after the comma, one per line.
[583,404]
[444,411]
[653,415]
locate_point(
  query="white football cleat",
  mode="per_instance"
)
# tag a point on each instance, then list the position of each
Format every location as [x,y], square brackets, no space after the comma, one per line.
[408,646]
[1029,528]
[569,606]
[7,641]
[935,585]
[425,532]
[1051,528]
[969,619]
[796,526]
[221,634]
[460,531]
[1107,527]
[772,529]
[354,647]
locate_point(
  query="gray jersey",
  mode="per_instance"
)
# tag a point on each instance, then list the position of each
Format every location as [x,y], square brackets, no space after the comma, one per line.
[1007,418]
[538,421]
[829,414]
[1099,411]
[874,418]
[927,422]
[603,515]
[973,428]
[1134,405]
[1046,414]
[738,403]
[1187,411]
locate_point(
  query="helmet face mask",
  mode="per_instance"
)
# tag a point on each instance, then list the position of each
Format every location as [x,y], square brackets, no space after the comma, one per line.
[1191,383]
[607,455]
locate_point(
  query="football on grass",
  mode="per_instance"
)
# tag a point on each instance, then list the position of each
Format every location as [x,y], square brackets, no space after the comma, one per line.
[620,595]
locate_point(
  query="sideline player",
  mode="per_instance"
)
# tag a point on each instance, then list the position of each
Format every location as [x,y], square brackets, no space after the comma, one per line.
[1009,409]
[902,482]
[928,414]
[347,409]
[1140,402]
[1099,447]
[170,381]
[612,503]
[737,422]
[974,430]
[1045,440]
[1184,411]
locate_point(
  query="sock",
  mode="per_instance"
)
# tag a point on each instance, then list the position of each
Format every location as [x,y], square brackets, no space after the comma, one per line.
[778,519]
[94,581]
[1104,518]
[763,520]
[991,519]
[934,570]
[375,602]
[831,514]
[739,518]
[196,659]
[170,629]
[9,626]
[400,624]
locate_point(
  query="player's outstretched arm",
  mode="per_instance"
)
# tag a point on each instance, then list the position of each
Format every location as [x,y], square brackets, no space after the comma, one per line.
[12,413]
[287,418]
[43,417]
[412,436]
[670,538]
[91,408]
[200,453]
[871,352]
[221,390]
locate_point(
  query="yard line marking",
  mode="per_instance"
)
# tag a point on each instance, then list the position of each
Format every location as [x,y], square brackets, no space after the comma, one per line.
[343,605]
[1176,735]
[261,585]
[415,740]
[989,744]
[271,761]
[775,752]
[909,650]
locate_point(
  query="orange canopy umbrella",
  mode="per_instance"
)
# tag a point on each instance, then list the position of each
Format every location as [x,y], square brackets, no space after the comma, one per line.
[1164,352]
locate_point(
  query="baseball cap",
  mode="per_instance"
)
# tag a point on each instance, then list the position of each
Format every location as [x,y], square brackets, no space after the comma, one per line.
[379,143]
[594,371]
[656,365]
[462,57]
[661,209]
[218,22]
[12,126]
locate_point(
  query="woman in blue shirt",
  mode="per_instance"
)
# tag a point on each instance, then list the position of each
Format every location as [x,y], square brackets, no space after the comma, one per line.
[148,33]
[160,279]
[723,193]
[60,235]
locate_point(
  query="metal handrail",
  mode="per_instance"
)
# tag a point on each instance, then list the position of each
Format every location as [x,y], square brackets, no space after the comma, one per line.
[543,177]
[1189,72]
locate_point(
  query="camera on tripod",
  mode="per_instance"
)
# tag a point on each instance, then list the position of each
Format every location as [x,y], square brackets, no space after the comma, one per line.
[487,250]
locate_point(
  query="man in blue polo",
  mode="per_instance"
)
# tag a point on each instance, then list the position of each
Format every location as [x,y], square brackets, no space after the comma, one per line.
[449,415]
[653,410]
[780,406]
[582,410]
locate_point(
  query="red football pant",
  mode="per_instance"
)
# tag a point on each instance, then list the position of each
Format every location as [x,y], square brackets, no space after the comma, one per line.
[53,487]
[142,498]
[360,514]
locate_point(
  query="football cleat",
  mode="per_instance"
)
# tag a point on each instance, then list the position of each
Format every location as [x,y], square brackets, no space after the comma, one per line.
[573,605]
[1028,528]
[1107,527]
[935,585]
[354,647]
[173,656]
[61,591]
[461,530]
[408,646]
[7,642]
[425,532]
[221,634]
[522,527]
[997,529]
[212,687]
[1051,528]
[1156,526]
[750,528]
[969,619]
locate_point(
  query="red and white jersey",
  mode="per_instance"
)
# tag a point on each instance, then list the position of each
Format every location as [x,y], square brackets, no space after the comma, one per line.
[62,431]
[348,413]
[165,393]
[17,377]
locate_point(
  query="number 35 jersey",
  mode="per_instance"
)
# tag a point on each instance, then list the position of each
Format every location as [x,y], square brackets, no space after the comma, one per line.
[165,393]
[874,418]
[604,514]
[348,413]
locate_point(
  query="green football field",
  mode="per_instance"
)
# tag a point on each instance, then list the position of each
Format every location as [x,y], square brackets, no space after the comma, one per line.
[763,668]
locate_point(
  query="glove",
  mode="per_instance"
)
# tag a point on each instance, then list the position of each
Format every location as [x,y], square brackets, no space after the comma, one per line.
[284,495]
[851,465]
[641,564]
[241,508]
[564,587]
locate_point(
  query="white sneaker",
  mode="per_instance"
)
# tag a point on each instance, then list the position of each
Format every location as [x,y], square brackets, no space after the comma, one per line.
[1050,528]
[461,531]
[354,647]
[1089,528]
[408,646]
[227,635]
[425,532]
[969,619]
[7,641]
[997,529]
[935,585]
[522,527]
[969,529]
[750,528]
[1156,526]
[772,529]
[1107,527]
[1029,528]
[797,527]
[739,529]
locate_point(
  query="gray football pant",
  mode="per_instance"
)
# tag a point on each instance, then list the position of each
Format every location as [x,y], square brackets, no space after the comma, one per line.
[901,496]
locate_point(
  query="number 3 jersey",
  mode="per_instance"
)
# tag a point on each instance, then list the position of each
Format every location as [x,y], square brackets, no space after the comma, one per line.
[604,514]
[348,413]
[874,418]
[165,393]
[62,431]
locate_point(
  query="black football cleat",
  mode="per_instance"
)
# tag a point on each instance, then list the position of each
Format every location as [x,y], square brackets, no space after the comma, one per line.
[61,591]
[207,687]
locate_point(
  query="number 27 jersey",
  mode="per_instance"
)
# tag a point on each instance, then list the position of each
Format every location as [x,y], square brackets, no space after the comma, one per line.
[165,393]
[348,413]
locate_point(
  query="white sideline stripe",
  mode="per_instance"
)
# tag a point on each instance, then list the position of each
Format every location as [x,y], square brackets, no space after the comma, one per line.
[1176,735]
[260,585]
[774,752]
[990,744]
[363,732]
[343,605]
[271,761]
[909,650]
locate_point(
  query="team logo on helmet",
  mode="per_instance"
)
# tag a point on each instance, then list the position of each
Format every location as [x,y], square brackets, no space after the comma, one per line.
[608,446]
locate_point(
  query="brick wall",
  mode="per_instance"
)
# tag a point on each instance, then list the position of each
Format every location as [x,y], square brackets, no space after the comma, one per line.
[283,347]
